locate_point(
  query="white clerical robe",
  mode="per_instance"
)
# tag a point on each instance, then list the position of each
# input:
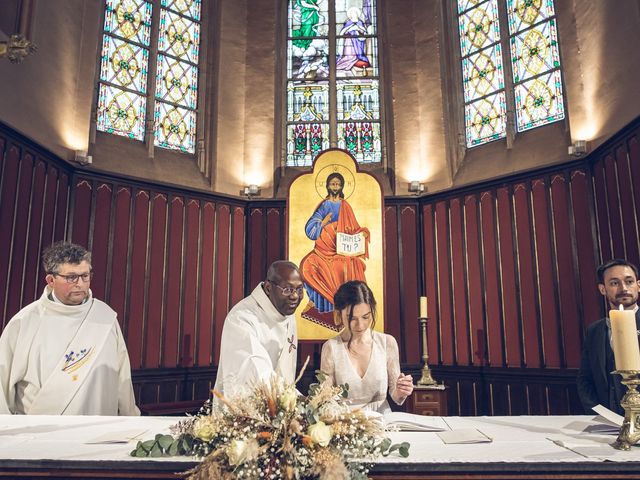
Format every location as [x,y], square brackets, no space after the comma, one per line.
[50,365]
[257,341]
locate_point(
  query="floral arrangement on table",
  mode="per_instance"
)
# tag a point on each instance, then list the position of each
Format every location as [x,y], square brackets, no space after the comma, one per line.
[274,433]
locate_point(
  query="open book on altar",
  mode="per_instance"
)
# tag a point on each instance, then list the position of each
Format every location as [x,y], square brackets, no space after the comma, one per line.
[414,423]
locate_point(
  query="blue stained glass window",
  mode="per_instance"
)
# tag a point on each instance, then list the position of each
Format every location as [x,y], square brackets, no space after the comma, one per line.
[482,71]
[124,65]
[189,8]
[350,85]
[129,19]
[121,112]
[536,80]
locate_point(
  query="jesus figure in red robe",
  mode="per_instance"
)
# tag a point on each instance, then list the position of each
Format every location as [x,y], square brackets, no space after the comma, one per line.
[324,269]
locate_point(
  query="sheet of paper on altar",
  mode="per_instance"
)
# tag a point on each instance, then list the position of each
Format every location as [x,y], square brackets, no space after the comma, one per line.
[607,416]
[464,435]
[123,436]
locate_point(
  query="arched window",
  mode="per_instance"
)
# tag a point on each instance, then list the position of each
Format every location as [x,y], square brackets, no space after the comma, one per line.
[333,80]
[149,69]
[529,88]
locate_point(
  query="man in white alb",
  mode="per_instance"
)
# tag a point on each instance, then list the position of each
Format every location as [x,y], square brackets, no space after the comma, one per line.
[64,354]
[259,334]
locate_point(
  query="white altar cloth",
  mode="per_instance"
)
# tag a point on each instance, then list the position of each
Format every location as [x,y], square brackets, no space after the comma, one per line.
[528,439]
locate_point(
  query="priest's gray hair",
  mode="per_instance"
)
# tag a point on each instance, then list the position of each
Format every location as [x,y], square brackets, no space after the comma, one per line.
[64,252]
[278,268]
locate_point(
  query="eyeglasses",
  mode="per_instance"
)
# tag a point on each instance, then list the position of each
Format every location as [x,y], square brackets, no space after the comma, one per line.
[73,278]
[288,291]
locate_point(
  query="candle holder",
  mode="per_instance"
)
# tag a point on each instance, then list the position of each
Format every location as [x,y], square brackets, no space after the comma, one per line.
[630,430]
[426,378]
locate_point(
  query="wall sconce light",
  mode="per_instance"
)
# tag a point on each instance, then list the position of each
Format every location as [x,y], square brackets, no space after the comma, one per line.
[578,148]
[82,157]
[416,187]
[251,190]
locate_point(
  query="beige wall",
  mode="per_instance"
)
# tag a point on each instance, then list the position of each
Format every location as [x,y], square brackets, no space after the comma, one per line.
[49,96]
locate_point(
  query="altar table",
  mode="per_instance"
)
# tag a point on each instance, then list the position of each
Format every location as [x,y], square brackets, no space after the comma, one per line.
[532,447]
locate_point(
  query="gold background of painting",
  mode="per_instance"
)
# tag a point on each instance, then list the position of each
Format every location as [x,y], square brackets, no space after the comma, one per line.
[364,194]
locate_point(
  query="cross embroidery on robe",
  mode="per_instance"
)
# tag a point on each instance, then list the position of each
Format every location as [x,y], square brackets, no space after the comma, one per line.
[74,361]
[292,346]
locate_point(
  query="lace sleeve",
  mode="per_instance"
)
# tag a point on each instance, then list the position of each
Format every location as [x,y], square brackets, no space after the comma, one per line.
[327,364]
[393,368]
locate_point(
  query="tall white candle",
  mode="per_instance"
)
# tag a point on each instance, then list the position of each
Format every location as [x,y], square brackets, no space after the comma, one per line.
[624,336]
[423,307]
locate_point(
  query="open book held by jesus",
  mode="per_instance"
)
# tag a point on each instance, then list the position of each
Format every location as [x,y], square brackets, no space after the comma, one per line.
[350,245]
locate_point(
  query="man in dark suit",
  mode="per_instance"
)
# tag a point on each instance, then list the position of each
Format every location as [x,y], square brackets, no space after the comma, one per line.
[618,283]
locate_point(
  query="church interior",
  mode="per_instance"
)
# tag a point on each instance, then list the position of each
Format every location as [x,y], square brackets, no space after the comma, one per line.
[499,219]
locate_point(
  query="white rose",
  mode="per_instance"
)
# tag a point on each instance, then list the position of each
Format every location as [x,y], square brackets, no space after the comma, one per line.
[288,399]
[204,429]
[320,433]
[236,452]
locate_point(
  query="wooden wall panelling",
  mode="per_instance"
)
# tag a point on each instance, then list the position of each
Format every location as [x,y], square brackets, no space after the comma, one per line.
[81,206]
[614,210]
[101,241]
[602,211]
[189,286]
[628,215]
[444,300]
[275,236]
[157,273]
[409,285]
[20,231]
[589,305]
[568,287]
[392,274]
[205,325]
[120,271]
[255,254]
[459,285]
[31,280]
[527,277]
[137,293]
[238,255]
[552,348]
[430,266]
[633,152]
[476,309]
[173,288]
[492,291]
[9,186]
[221,286]
[510,286]
[49,213]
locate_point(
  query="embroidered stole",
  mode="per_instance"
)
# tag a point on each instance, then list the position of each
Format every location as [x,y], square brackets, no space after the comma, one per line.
[76,363]
[286,364]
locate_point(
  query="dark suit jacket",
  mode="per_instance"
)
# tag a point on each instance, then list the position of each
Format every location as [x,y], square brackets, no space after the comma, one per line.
[594,378]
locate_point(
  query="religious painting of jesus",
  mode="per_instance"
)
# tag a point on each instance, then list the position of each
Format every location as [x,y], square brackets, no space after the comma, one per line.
[338,239]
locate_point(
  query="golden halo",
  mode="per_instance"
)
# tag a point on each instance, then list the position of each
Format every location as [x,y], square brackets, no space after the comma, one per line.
[321,178]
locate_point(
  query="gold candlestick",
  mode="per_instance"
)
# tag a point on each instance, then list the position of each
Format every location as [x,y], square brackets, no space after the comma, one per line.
[630,430]
[426,378]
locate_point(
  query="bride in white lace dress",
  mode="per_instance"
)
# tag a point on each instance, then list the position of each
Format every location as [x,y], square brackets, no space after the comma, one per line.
[365,359]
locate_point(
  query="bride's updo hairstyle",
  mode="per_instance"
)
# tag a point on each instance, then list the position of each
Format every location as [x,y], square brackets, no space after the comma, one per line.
[348,296]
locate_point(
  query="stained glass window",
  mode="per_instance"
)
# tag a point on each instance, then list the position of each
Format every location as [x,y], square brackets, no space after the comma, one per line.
[482,72]
[536,80]
[535,61]
[177,75]
[124,64]
[124,87]
[333,97]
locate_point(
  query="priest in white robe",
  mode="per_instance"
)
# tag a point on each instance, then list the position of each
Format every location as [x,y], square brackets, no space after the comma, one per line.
[259,337]
[64,354]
